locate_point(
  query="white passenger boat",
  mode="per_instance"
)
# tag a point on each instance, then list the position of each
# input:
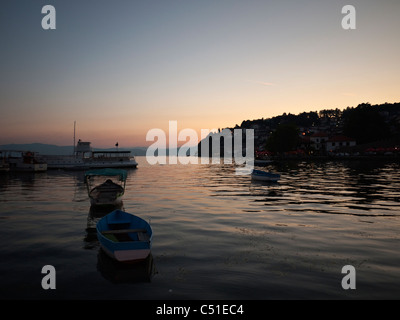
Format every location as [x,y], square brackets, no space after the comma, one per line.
[85,158]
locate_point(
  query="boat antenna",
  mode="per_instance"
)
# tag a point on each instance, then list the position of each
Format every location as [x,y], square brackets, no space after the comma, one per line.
[74,135]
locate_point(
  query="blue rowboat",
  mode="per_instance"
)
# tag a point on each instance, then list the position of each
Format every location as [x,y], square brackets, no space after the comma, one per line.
[124,236]
[264,176]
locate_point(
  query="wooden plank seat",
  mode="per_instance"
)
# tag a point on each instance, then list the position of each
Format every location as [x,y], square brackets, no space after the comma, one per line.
[123,231]
[121,235]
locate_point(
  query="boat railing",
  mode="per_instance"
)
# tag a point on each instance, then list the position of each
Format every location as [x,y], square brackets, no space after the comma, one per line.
[111,154]
[58,157]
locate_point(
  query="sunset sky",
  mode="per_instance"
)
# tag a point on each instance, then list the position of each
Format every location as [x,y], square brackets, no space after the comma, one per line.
[121,68]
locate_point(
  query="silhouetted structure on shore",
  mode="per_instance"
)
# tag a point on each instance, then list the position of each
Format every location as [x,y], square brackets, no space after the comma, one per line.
[363,130]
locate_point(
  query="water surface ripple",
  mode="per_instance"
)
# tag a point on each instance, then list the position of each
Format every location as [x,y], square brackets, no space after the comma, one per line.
[217,235]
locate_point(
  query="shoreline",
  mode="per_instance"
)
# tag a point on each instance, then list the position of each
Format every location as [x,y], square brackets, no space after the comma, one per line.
[337,158]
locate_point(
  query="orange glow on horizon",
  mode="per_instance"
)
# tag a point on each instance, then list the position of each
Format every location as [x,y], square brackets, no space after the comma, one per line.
[131,131]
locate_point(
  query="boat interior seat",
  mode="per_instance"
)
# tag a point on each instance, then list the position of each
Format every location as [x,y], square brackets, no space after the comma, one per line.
[111,237]
[112,221]
[128,236]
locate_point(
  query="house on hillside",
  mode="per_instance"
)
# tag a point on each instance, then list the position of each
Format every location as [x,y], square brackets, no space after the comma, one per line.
[337,142]
[318,141]
[323,142]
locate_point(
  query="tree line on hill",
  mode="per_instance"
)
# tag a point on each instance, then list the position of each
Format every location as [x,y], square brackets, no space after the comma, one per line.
[365,123]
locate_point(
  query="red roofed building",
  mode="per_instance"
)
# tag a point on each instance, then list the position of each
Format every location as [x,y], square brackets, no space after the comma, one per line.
[322,141]
[337,142]
[318,140]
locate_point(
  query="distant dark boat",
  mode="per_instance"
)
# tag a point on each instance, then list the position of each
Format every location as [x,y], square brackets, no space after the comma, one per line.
[124,236]
[109,192]
[264,176]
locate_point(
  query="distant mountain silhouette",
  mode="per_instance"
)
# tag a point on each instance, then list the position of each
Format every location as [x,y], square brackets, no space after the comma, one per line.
[41,148]
[51,149]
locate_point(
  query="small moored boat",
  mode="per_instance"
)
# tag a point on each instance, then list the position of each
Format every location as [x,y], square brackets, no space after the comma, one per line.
[109,192]
[264,176]
[4,166]
[124,236]
[25,161]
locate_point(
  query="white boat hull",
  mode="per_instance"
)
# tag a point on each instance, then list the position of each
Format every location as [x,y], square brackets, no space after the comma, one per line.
[72,163]
[28,167]
[127,255]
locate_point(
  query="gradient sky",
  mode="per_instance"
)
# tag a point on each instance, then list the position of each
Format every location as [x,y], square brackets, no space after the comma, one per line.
[121,68]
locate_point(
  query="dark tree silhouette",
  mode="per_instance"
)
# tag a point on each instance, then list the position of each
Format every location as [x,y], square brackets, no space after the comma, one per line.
[365,124]
[284,138]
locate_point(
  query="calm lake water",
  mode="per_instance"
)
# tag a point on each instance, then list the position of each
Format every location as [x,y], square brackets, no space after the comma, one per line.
[216,235]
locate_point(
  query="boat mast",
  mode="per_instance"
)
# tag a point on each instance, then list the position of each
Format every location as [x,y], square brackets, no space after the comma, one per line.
[74,136]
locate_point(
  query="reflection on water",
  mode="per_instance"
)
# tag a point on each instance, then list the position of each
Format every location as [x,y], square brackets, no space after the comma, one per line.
[94,215]
[117,272]
[217,235]
[364,189]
